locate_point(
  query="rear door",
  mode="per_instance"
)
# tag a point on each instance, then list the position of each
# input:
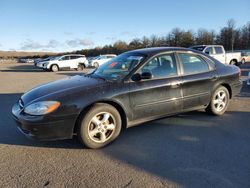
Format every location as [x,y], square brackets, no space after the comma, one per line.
[159,95]
[198,77]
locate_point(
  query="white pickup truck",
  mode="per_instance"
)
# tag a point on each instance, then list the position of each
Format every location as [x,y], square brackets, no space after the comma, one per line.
[218,52]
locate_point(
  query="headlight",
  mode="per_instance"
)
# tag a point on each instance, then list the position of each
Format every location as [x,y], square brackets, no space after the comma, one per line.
[41,108]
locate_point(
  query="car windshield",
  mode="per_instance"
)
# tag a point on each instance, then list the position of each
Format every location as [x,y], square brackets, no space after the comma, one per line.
[118,67]
[56,58]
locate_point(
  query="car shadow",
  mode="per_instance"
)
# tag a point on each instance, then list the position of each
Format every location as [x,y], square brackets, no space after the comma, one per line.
[23,68]
[193,149]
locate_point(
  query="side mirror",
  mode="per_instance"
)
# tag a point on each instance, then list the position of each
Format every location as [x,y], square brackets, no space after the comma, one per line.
[136,77]
[146,75]
[207,52]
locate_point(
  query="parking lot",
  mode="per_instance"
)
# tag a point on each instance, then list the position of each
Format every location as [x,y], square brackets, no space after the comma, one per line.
[189,150]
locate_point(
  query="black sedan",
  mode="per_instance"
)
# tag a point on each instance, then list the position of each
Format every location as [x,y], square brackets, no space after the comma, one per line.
[135,87]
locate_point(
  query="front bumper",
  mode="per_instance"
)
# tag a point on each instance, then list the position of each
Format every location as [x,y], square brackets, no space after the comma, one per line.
[41,65]
[38,128]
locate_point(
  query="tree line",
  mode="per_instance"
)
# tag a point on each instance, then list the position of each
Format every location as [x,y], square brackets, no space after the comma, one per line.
[230,36]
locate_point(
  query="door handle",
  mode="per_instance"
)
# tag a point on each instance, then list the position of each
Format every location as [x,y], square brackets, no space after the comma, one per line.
[213,78]
[175,84]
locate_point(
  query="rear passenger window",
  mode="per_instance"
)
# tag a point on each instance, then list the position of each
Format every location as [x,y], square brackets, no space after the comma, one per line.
[218,50]
[193,64]
[161,66]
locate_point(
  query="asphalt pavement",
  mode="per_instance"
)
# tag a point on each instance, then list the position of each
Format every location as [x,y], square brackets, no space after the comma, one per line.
[188,150]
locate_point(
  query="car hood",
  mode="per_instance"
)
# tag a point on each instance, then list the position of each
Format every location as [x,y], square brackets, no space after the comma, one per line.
[61,86]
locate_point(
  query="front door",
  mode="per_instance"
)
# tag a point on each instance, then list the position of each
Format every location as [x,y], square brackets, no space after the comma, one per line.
[64,62]
[159,95]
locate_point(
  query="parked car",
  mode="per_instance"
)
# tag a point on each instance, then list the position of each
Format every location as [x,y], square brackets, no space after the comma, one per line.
[54,64]
[101,59]
[218,52]
[38,60]
[245,57]
[25,60]
[135,87]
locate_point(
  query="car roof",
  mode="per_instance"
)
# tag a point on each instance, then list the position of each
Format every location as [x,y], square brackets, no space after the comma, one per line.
[208,45]
[73,55]
[107,55]
[156,50]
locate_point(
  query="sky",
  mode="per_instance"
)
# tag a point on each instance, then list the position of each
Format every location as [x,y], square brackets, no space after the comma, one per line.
[68,25]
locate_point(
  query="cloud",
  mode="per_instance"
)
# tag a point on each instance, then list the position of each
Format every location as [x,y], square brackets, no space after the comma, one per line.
[33,45]
[79,42]
[111,38]
[30,44]
[91,33]
[127,33]
[52,44]
[68,33]
[11,49]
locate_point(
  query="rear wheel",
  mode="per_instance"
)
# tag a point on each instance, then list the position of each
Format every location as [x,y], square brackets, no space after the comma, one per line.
[219,101]
[100,126]
[54,68]
[80,67]
[233,62]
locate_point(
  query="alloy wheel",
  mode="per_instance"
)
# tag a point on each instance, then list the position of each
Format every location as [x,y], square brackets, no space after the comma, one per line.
[101,127]
[220,100]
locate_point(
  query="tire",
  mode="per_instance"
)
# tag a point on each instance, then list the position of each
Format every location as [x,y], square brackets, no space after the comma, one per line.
[219,101]
[96,65]
[81,67]
[233,62]
[54,68]
[99,126]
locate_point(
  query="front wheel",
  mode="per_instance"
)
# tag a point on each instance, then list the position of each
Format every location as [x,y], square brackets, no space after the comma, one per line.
[80,67]
[219,101]
[100,126]
[54,68]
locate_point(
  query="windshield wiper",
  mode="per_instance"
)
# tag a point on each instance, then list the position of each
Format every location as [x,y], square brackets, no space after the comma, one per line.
[97,76]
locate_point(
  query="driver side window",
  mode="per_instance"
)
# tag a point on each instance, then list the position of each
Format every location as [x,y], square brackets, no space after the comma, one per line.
[161,67]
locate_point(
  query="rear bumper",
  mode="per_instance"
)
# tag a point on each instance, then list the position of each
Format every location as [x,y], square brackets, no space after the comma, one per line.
[35,127]
[236,88]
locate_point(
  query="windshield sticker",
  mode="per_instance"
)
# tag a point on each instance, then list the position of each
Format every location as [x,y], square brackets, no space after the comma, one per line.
[113,64]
